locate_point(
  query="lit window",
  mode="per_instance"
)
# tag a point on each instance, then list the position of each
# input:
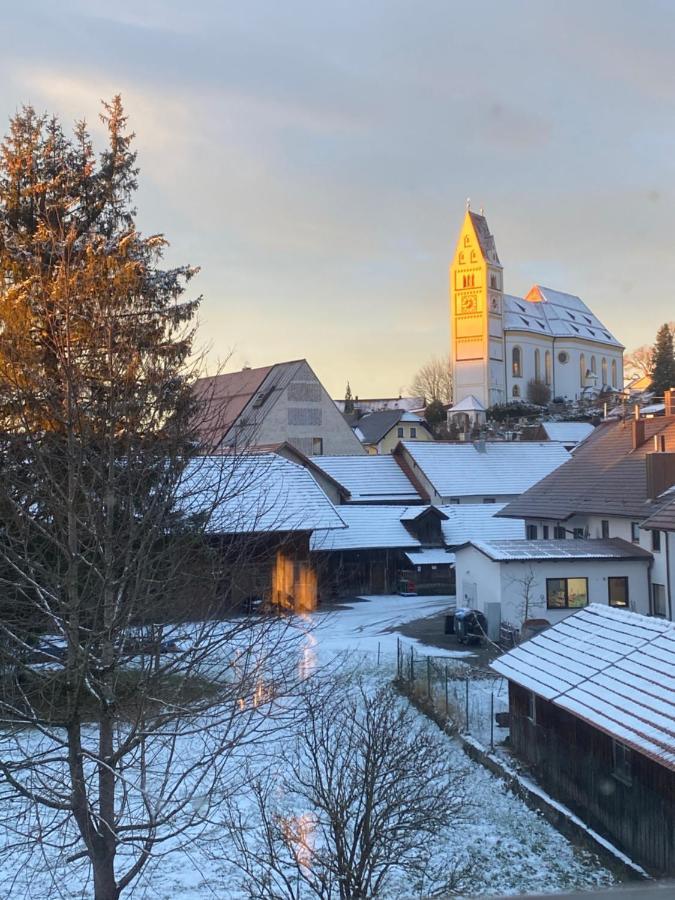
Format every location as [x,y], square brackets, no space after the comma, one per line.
[604,370]
[613,373]
[517,362]
[566,593]
[582,369]
[618,591]
[548,366]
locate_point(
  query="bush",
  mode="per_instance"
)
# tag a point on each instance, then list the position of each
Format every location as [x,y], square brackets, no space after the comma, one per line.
[538,392]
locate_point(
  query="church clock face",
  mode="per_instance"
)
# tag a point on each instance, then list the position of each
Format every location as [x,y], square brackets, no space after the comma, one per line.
[469,304]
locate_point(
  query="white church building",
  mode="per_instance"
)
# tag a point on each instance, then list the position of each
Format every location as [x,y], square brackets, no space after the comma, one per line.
[500,343]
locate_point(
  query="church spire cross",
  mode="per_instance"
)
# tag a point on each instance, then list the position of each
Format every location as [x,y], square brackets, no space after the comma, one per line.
[468,203]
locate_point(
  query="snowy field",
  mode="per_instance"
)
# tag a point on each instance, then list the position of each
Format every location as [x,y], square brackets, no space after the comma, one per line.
[513,848]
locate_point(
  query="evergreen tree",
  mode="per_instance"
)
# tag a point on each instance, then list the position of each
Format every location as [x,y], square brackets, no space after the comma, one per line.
[349,400]
[663,361]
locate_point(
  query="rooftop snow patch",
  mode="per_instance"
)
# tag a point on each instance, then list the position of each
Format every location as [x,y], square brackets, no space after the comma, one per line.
[579,548]
[369,478]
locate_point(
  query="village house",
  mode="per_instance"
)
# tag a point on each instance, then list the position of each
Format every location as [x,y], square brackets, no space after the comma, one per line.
[380,432]
[284,402]
[613,483]
[501,343]
[591,712]
[569,434]
[263,511]
[513,581]
[480,471]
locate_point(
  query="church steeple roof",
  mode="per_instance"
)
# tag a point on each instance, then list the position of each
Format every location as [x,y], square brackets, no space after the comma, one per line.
[485,239]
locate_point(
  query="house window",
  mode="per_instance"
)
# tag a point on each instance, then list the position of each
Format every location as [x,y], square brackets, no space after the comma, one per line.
[544,532]
[531,532]
[516,391]
[317,446]
[517,363]
[454,500]
[656,541]
[622,759]
[532,707]
[578,533]
[399,432]
[413,431]
[559,533]
[618,591]
[659,600]
[635,532]
[566,593]
[604,527]
[489,499]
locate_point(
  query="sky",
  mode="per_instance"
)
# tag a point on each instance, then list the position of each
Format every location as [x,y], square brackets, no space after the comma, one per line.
[314,159]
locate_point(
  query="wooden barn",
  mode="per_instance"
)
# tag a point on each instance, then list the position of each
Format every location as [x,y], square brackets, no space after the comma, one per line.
[592,711]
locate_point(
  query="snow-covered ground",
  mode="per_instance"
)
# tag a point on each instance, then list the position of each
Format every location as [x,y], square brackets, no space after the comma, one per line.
[514,849]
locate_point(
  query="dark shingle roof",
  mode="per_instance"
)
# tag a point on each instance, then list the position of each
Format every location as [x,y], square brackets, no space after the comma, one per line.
[375,425]
[663,516]
[604,476]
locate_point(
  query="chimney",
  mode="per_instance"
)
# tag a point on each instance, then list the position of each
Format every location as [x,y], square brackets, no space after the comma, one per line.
[669,402]
[638,427]
[660,473]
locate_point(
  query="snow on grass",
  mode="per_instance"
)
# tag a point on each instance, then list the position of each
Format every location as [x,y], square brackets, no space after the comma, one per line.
[514,849]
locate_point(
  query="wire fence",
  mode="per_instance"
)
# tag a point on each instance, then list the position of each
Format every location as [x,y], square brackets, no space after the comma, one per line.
[473,699]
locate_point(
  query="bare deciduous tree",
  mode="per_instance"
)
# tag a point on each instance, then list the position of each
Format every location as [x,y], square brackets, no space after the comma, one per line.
[123,692]
[433,381]
[356,801]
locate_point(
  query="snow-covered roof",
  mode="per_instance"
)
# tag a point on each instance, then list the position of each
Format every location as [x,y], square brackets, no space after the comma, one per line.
[577,548]
[431,557]
[567,432]
[555,314]
[476,521]
[612,668]
[253,493]
[468,404]
[500,468]
[368,527]
[369,478]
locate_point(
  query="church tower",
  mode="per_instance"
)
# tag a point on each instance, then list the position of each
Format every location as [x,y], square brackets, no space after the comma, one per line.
[476,305]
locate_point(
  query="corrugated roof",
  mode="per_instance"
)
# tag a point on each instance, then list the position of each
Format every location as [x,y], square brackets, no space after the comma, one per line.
[502,468]
[604,476]
[578,548]
[256,493]
[476,521]
[368,527]
[613,669]
[369,478]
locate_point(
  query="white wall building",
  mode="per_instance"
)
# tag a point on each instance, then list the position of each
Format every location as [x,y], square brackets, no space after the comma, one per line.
[513,581]
[499,343]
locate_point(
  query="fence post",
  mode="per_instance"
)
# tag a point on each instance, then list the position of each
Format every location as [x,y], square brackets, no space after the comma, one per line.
[446,691]
[428,677]
[492,721]
[466,714]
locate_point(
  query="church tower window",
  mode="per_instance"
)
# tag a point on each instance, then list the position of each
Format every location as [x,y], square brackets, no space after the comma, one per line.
[548,367]
[517,362]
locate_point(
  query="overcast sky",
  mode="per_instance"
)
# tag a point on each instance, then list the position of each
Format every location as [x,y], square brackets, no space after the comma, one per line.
[314,158]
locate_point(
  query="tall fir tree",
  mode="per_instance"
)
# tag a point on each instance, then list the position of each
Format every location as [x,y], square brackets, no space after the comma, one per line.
[349,400]
[663,361]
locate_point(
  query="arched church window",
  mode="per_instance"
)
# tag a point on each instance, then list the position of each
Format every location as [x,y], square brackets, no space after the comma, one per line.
[582,369]
[548,367]
[517,362]
[537,365]
[604,370]
[593,368]
[614,373]
[516,390]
